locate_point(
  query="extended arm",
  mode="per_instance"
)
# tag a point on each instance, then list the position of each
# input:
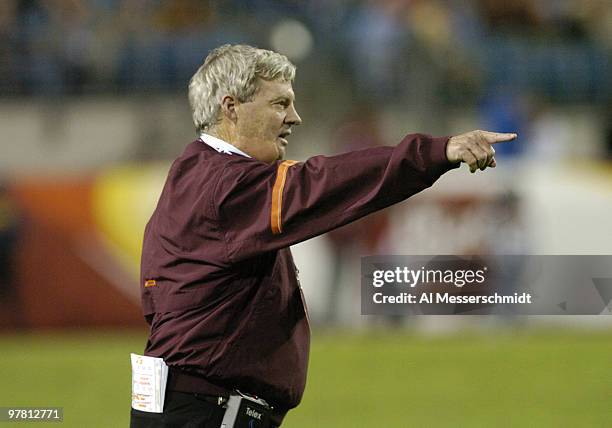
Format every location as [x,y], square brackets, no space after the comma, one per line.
[267,207]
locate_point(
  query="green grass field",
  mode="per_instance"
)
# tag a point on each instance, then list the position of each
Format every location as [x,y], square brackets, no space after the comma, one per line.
[536,379]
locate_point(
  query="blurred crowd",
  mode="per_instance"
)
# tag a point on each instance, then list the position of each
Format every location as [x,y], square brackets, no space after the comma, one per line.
[456,50]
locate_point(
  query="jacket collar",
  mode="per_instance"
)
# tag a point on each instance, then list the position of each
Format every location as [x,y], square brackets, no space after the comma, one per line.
[220,145]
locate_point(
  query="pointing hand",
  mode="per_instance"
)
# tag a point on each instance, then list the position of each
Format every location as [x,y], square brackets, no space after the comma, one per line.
[475,148]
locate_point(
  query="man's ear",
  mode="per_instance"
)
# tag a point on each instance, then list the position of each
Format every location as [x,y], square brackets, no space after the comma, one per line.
[228,107]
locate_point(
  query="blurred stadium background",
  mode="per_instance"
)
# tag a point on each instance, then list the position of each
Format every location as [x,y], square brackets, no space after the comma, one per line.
[93,109]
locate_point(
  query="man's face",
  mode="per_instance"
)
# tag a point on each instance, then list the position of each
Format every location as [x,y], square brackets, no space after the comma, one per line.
[264,123]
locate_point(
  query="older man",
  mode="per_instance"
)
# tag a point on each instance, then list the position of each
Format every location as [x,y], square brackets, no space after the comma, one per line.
[219,286]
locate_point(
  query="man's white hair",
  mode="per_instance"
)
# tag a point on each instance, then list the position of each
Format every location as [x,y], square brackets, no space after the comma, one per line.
[232,70]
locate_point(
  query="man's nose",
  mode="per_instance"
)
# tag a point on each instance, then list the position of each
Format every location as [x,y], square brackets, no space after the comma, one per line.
[293,117]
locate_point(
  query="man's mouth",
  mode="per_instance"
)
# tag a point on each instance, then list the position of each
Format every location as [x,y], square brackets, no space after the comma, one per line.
[283,137]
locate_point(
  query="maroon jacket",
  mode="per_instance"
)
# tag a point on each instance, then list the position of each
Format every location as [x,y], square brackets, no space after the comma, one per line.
[219,286]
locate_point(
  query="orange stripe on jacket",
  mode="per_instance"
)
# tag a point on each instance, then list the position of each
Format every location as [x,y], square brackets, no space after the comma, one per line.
[277,197]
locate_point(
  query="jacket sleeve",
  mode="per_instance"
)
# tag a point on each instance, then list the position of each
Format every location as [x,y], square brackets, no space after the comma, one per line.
[265,207]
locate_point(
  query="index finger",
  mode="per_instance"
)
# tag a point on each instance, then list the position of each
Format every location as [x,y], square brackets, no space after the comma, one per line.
[498,137]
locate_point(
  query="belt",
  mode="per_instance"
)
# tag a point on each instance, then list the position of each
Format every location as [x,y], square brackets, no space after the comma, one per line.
[217,400]
[183,381]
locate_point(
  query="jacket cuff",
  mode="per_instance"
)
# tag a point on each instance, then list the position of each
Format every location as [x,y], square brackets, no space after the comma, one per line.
[438,152]
[438,159]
